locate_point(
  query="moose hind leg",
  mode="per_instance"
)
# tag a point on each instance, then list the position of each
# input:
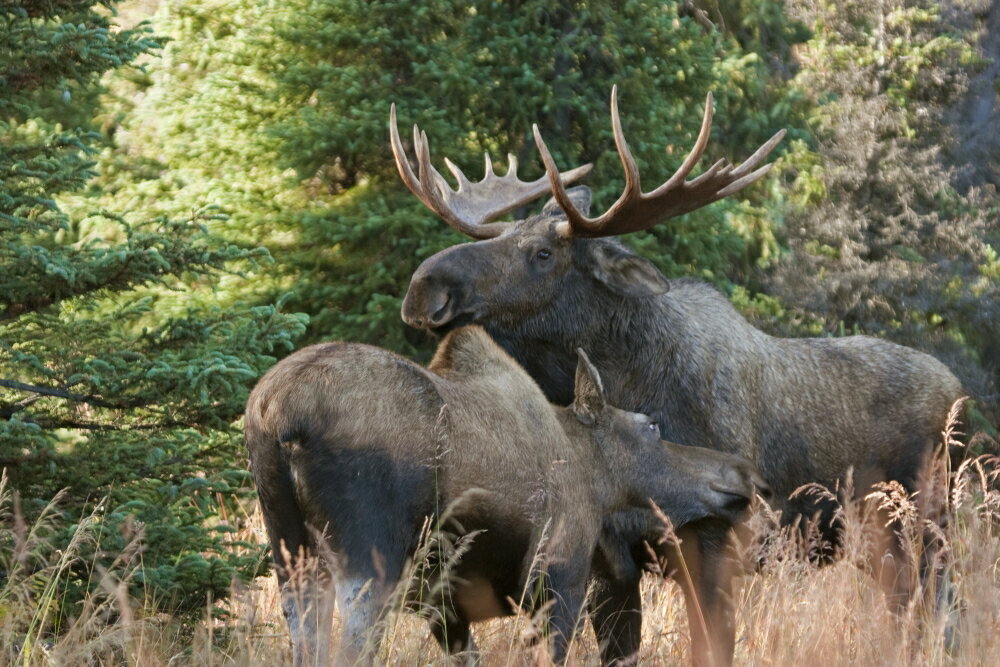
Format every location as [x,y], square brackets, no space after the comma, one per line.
[303,580]
[705,574]
[307,602]
[360,601]
[454,635]
[922,582]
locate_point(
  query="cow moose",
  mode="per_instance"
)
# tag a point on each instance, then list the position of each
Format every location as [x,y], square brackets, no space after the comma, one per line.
[359,445]
[804,410]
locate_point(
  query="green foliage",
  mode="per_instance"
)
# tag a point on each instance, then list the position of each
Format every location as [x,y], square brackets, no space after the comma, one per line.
[278,114]
[54,51]
[122,372]
[881,241]
[475,77]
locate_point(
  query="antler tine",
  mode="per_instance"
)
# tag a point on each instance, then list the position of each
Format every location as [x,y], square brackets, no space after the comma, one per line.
[696,151]
[744,181]
[717,170]
[573,215]
[635,210]
[431,180]
[742,174]
[459,175]
[471,206]
[511,165]
[632,185]
[579,224]
[402,162]
[752,161]
[428,175]
[415,182]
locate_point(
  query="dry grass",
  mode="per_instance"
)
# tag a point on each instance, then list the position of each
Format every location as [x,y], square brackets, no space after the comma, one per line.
[790,613]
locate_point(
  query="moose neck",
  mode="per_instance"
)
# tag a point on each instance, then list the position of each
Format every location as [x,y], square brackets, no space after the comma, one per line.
[637,344]
[617,332]
[619,477]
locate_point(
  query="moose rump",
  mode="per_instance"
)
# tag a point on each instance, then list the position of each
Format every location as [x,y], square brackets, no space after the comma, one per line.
[323,474]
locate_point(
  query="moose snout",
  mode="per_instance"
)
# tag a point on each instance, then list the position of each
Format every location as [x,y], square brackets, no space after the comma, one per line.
[730,502]
[427,310]
[736,485]
[427,305]
[746,476]
[439,291]
[761,487]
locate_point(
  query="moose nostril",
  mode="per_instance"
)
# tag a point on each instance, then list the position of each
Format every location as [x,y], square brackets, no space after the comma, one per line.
[441,313]
[735,503]
[732,501]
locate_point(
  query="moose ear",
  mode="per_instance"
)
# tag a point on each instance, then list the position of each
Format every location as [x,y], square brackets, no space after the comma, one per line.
[625,272]
[588,401]
[580,196]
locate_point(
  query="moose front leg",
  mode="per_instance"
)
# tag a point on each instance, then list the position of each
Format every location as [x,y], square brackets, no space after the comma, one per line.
[567,588]
[616,602]
[704,569]
[453,633]
[616,613]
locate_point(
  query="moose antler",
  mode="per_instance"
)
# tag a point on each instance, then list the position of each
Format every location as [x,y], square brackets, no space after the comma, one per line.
[635,210]
[472,206]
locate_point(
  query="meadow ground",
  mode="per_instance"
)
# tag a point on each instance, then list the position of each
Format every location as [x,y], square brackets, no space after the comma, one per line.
[788,613]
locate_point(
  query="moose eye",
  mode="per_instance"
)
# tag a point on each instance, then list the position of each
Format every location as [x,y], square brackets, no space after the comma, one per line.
[544,253]
[653,426]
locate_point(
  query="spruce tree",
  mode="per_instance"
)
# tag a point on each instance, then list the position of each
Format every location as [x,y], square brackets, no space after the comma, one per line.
[278,114]
[121,375]
[475,76]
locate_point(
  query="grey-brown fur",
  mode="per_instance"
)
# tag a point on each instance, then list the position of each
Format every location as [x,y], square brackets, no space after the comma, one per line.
[360,444]
[803,410]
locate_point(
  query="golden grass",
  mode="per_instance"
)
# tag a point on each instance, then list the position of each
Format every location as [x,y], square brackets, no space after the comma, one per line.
[790,613]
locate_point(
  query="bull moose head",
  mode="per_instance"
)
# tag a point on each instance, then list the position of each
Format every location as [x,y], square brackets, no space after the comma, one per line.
[545,255]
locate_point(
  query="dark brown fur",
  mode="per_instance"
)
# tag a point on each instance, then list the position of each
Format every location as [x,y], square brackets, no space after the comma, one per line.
[359,444]
[803,410]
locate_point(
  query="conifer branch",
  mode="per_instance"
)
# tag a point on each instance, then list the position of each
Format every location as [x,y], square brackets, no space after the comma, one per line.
[60,393]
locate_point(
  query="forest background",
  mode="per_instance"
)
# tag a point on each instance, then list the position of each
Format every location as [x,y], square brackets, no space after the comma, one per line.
[190,190]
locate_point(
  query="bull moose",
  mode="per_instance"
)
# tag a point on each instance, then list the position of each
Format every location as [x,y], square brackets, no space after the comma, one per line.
[360,445]
[804,410]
